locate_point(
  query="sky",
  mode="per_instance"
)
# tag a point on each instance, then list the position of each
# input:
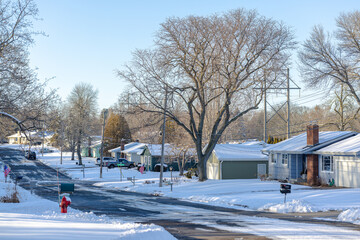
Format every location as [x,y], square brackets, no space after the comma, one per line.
[88,40]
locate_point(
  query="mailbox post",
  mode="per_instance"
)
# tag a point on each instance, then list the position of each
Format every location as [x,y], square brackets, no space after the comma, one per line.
[285,189]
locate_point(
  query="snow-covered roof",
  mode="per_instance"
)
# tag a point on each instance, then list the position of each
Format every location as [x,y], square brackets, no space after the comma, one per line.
[95,144]
[127,146]
[298,144]
[348,146]
[155,149]
[33,134]
[239,152]
[137,149]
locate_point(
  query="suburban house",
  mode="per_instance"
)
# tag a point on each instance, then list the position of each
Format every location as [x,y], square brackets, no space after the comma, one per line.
[237,161]
[133,153]
[116,152]
[295,158]
[36,137]
[339,163]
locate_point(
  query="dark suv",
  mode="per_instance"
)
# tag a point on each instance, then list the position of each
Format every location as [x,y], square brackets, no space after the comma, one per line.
[30,155]
[121,162]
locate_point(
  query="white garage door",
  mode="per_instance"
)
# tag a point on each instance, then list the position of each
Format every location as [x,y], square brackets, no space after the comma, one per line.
[348,174]
[213,171]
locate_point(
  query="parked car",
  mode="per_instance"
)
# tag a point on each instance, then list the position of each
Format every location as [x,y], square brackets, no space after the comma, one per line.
[123,163]
[158,166]
[46,150]
[105,160]
[30,155]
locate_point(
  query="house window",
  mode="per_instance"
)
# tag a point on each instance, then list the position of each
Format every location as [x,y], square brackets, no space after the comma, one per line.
[327,164]
[273,158]
[284,159]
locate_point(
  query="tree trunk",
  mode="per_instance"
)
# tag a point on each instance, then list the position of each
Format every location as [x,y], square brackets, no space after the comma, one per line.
[78,148]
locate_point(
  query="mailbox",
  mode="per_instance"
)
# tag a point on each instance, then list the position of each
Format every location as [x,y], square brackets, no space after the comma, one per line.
[66,188]
[285,188]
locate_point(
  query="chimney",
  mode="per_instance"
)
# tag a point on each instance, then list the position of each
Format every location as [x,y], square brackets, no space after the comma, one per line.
[312,132]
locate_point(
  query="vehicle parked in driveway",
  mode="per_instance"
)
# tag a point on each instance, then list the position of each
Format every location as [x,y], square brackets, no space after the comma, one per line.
[158,166]
[30,155]
[105,160]
[46,150]
[121,162]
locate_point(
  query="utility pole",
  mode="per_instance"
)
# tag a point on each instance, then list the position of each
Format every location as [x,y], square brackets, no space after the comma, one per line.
[163,140]
[265,114]
[288,103]
[102,142]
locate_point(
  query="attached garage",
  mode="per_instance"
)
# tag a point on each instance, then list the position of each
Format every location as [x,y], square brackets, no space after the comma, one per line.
[347,172]
[340,163]
[237,161]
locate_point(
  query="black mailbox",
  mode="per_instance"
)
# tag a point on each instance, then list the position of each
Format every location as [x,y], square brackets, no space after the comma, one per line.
[66,188]
[285,188]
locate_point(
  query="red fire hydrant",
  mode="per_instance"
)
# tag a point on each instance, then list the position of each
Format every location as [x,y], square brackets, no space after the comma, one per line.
[64,204]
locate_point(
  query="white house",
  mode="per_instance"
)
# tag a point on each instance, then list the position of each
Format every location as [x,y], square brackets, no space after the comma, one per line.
[339,163]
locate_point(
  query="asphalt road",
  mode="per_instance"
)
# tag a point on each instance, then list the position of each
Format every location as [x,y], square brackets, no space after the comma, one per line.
[184,220]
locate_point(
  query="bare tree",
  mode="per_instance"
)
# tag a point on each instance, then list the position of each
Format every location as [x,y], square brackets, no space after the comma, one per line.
[334,60]
[82,103]
[200,62]
[21,93]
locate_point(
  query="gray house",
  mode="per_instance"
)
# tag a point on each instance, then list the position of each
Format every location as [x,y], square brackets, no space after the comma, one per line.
[293,158]
[237,161]
[339,163]
[116,152]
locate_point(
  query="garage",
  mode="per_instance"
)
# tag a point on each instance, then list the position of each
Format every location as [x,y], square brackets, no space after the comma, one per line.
[237,161]
[347,172]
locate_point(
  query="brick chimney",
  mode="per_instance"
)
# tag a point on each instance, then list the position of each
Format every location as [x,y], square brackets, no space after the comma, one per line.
[312,132]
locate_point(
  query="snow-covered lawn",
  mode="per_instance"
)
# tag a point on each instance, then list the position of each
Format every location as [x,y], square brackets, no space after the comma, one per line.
[37,218]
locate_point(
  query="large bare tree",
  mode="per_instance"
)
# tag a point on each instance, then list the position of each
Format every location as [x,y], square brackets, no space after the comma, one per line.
[206,72]
[82,103]
[333,60]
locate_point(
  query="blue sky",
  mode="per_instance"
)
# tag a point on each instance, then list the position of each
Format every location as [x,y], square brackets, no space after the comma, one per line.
[89,39]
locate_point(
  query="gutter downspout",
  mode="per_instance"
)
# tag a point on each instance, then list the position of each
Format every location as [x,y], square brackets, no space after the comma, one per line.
[221,170]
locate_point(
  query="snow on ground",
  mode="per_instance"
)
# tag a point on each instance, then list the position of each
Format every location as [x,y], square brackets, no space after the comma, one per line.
[37,218]
[251,194]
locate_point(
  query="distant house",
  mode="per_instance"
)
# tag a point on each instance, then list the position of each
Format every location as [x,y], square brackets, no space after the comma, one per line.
[295,157]
[133,153]
[116,152]
[339,163]
[237,161]
[36,137]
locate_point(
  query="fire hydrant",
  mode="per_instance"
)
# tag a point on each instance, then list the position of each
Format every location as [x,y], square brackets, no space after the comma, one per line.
[64,204]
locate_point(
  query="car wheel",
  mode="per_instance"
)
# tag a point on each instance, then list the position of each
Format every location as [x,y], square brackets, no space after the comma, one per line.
[111,166]
[131,166]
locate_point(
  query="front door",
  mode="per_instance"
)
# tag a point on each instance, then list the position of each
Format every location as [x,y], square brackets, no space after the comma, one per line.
[261,170]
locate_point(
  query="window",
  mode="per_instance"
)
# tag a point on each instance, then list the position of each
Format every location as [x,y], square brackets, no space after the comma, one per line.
[284,159]
[327,163]
[272,158]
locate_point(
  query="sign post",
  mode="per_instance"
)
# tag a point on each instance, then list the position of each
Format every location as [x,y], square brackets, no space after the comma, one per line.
[121,175]
[285,189]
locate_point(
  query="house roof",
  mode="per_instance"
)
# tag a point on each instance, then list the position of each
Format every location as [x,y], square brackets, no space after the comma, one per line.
[298,144]
[33,134]
[137,149]
[239,152]
[155,149]
[127,146]
[348,146]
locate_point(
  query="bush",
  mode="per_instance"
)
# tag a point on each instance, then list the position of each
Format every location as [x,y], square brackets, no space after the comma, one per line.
[191,172]
[12,198]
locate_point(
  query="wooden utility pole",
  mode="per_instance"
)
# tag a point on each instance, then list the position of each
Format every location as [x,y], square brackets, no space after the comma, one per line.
[102,142]
[163,140]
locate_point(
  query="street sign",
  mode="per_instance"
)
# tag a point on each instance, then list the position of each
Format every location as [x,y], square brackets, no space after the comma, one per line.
[121,165]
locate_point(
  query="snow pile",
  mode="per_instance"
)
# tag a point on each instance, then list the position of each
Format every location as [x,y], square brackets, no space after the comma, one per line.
[350,215]
[37,218]
[292,206]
